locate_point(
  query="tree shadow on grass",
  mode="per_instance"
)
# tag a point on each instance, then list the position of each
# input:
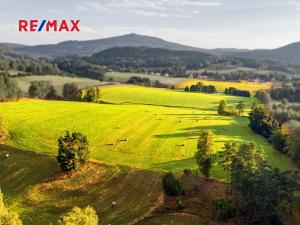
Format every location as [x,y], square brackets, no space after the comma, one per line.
[197,130]
[175,165]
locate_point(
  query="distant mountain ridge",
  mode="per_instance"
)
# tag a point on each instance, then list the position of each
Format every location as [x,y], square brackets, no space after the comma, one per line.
[289,53]
[85,48]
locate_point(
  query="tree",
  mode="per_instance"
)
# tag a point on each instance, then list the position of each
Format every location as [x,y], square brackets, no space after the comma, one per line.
[293,148]
[78,216]
[205,153]
[222,107]
[70,91]
[91,95]
[42,89]
[73,150]
[258,189]
[278,140]
[7,217]
[9,89]
[264,97]
[240,107]
[227,156]
[171,185]
[261,122]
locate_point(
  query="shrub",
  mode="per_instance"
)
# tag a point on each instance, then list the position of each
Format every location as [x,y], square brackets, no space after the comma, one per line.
[70,91]
[222,107]
[224,208]
[278,140]
[91,95]
[171,185]
[78,216]
[72,151]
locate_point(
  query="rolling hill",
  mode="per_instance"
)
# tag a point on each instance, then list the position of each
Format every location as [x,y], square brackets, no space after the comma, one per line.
[93,46]
[142,57]
[289,53]
[147,128]
[89,47]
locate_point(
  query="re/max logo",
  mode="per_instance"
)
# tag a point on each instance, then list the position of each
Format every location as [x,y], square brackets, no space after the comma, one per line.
[49,25]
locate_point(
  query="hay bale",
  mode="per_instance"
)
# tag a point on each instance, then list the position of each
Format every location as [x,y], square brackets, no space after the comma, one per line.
[7,155]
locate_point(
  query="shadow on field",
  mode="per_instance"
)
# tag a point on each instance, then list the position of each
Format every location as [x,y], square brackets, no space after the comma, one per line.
[168,106]
[197,130]
[20,169]
[43,193]
[179,165]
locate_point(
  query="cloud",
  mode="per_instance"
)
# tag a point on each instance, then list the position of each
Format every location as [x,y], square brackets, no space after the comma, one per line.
[155,8]
[296,5]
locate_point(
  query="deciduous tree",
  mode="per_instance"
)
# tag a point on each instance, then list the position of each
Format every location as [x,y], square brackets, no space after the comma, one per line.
[205,153]
[73,150]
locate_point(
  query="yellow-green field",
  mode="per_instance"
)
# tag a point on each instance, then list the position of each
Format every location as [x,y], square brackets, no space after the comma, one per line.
[221,86]
[135,135]
[144,127]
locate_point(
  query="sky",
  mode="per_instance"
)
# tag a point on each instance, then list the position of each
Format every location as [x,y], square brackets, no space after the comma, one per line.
[249,24]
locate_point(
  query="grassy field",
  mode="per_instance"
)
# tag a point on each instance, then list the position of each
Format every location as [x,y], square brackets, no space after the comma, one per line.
[123,77]
[58,81]
[35,188]
[147,128]
[221,86]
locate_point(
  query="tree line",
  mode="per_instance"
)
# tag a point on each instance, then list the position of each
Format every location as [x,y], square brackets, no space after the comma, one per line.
[146,82]
[237,92]
[200,87]
[9,90]
[255,190]
[264,124]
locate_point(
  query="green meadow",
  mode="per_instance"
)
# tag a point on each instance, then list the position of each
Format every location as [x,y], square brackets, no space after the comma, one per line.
[146,128]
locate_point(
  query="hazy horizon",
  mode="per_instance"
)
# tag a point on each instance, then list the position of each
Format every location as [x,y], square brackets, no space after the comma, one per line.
[205,24]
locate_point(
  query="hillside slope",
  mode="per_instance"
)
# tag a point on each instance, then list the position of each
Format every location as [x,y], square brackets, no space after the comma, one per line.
[289,53]
[40,193]
[142,57]
[92,46]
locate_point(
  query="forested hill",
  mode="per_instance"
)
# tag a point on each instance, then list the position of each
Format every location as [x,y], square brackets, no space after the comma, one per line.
[289,53]
[89,47]
[142,57]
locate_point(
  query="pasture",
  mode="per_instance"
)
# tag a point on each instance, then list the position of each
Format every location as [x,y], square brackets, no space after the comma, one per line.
[221,85]
[57,81]
[147,128]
